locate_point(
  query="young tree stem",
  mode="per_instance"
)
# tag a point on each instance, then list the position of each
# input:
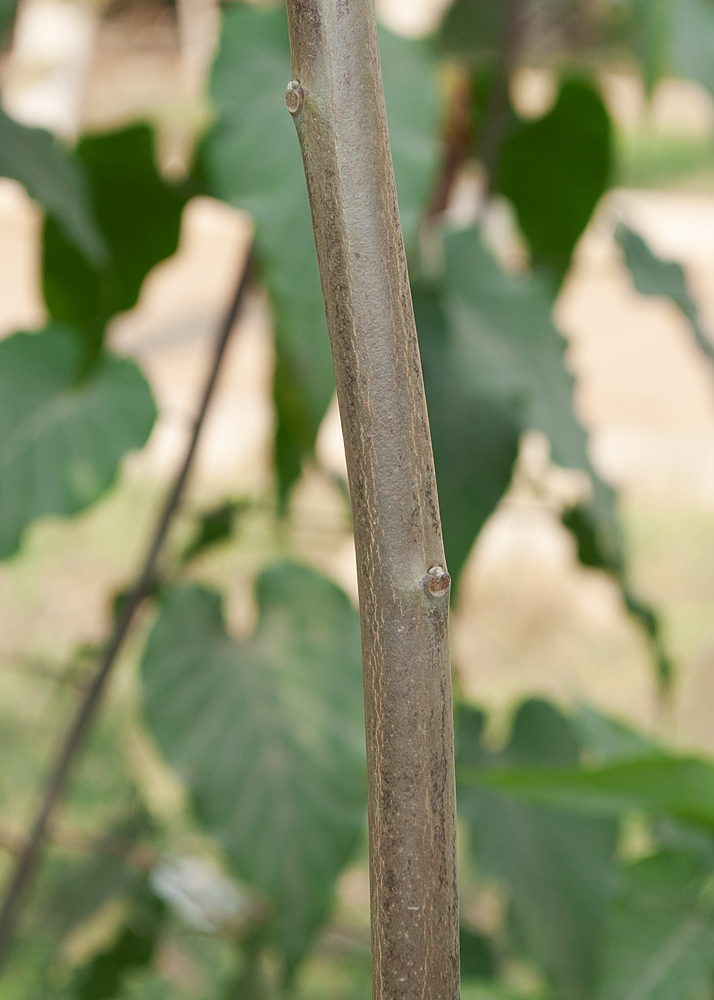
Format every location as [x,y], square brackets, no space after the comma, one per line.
[89,703]
[337,102]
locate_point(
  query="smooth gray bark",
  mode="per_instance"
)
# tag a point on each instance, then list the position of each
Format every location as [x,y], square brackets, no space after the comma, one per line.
[337,102]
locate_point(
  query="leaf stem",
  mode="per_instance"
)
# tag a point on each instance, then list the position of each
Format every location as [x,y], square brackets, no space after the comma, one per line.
[27,861]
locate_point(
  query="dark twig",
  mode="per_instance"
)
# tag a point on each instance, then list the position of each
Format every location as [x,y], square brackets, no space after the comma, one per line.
[457,142]
[86,712]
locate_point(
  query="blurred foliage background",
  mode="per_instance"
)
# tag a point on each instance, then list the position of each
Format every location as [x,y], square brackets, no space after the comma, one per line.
[555,171]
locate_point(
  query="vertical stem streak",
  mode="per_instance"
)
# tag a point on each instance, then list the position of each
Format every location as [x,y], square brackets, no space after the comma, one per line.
[337,102]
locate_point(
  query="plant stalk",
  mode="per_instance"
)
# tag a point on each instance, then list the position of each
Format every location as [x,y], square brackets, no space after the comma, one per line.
[337,102]
[90,701]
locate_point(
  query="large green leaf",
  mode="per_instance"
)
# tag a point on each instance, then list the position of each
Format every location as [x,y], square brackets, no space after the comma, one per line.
[61,439]
[660,943]
[268,735]
[140,217]
[558,867]
[56,180]
[494,366]
[654,276]
[252,160]
[680,787]
[506,344]
[555,170]
[474,435]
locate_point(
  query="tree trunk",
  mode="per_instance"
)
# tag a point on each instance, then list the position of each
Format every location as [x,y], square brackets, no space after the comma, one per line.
[337,102]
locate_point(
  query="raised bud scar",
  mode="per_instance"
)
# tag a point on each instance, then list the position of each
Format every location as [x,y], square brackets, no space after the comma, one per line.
[293,96]
[438,581]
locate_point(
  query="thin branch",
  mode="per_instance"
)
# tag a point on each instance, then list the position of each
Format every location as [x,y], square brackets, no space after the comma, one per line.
[457,142]
[89,704]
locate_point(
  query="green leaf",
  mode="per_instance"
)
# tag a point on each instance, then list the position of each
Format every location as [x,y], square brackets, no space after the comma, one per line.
[8,9]
[412,96]
[653,276]
[104,975]
[56,180]
[268,735]
[680,787]
[475,436]
[252,160]
[250,982]
[557,866]
[140,217]
[660,944]
[215,526]
[653,25]
[494,366]
[682,835]
[555,170]
[604,739]
[61,440]
[579,522]
[478,958]
[693,40]
[81,885]
[476,31]
[473,990]
[506,344]
[473,28]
